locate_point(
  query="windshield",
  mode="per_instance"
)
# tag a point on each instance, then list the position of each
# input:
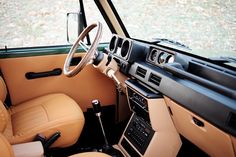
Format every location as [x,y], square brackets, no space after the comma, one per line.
[208,28]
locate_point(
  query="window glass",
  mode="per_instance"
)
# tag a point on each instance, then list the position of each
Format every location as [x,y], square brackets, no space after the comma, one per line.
[93,15]
[28,23]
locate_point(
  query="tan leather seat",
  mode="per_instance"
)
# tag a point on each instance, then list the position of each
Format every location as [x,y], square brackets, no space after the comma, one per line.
[91,154]
[46,115]
[5,147]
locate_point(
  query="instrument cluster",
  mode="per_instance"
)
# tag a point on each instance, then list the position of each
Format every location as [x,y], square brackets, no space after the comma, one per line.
[126,51]
[160,57]
[120,47]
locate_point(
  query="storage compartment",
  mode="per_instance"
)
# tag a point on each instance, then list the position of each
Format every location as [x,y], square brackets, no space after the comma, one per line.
[207,137]
[207,75]
[212,73]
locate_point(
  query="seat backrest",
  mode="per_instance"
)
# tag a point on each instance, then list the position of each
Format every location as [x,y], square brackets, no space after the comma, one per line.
[4,117]
[5,147]
[3,90]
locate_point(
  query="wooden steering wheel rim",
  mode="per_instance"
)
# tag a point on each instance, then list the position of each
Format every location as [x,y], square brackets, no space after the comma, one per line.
[88,58]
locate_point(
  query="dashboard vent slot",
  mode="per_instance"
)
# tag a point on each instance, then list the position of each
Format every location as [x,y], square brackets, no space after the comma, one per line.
[154,79]
[141,72]
[232,120]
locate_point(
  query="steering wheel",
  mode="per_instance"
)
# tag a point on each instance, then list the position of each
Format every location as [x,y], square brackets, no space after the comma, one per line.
[91,50]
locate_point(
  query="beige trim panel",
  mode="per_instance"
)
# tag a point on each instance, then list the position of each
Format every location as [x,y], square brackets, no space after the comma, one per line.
[112,17]
[89,84]
[210,139]
[112,67]
[166,141]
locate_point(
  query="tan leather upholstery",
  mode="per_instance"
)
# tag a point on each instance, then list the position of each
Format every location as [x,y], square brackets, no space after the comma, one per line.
[83,88]
[4,117]
[3,90]
[46,115]
[91,154]
[5,147]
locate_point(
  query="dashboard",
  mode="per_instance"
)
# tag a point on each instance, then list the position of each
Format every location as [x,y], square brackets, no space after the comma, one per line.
[199,85]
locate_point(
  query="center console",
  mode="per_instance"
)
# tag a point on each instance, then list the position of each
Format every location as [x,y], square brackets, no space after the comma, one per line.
[138,132]
[150,125]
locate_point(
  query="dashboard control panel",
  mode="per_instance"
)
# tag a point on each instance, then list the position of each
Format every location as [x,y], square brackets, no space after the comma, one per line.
[138,100]
[138,104]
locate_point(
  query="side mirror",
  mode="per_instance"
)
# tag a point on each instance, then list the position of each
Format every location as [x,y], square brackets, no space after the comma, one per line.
[74,26]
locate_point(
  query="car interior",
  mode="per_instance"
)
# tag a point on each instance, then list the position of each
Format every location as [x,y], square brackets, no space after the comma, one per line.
[126,98]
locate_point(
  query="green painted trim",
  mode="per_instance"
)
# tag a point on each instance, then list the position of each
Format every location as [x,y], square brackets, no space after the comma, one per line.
[41,51]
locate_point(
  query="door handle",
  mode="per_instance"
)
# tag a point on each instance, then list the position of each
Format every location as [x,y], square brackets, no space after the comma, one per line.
[35,75]
[198,122]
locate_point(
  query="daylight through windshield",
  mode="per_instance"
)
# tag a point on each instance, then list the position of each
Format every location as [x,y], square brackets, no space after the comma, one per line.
[207,27]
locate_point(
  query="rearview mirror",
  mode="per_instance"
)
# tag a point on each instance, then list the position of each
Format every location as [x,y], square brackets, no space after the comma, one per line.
[74,26]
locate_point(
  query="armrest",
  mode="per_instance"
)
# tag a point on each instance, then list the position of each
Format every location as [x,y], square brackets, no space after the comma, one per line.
[31,149]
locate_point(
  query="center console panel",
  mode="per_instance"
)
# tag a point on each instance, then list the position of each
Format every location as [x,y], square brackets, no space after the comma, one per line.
[138,97]
[150,130]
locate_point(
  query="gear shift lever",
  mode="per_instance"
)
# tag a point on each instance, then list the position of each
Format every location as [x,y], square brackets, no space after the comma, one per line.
[106,148]
[97,111]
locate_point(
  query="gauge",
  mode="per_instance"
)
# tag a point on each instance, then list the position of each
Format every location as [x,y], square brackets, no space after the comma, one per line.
[153,55]
[113,43]
[162,58]
[125,48]
[170,59]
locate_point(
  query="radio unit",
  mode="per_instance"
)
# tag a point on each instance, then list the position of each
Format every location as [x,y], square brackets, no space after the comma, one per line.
[137,99]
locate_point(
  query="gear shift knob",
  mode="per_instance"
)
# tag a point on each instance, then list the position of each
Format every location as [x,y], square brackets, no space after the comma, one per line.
[96,106]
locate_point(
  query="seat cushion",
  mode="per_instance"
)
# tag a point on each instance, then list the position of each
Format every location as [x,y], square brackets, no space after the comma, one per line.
[46,115]
[5,147]
[91,154]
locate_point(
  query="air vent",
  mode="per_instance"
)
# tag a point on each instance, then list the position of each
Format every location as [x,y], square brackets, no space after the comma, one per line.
[141,72]
[232,120]
[154,79]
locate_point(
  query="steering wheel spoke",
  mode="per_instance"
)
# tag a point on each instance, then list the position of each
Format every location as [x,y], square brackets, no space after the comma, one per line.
[84,46]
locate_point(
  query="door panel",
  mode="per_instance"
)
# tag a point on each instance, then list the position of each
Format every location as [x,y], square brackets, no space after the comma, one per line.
[89,84]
